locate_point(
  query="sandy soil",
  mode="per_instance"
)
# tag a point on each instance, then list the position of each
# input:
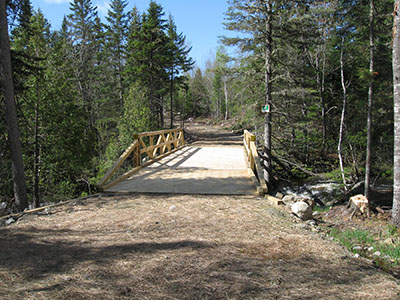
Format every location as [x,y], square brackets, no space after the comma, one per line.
[178,247]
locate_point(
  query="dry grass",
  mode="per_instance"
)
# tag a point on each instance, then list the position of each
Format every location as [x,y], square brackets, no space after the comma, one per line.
[177,247]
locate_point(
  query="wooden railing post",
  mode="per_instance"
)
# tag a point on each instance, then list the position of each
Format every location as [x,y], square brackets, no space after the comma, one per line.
[249,141]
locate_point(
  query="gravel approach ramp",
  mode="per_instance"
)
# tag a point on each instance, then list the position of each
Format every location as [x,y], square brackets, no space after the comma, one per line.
[212,169]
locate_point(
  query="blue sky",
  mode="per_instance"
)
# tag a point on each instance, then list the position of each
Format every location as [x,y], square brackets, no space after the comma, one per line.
[200,20]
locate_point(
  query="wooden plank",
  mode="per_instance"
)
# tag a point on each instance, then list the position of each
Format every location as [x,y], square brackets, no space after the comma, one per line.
[256,182]
[157,145]
[145,148]
[258,167]
[137,169]
[274,200]
[181,137]
[150,133]
[118,163]
[168,139]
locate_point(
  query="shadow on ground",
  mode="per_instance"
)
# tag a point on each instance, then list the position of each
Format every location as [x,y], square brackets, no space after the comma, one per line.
[185,269]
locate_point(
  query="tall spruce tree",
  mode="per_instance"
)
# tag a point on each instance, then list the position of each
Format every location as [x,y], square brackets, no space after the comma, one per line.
[81,32]
[117,33]
[150,59]
[179,60]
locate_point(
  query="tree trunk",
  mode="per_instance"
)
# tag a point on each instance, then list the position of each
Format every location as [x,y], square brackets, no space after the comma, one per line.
[396,93]
[36,168]
[226,99]
[268,99]
[172,100]
[7,88]
[370,99]
[342,117]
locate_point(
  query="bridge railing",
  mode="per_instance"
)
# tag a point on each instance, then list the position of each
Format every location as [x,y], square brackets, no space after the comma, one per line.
[249,141]
[147,148]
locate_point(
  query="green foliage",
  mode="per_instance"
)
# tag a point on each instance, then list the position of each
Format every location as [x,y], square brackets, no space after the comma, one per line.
[137,117]
[366,243]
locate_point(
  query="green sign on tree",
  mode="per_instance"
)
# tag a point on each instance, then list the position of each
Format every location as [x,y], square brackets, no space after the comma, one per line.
[265,108]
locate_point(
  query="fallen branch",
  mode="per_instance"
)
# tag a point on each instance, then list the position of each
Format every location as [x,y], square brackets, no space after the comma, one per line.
[30,211]
[301,168]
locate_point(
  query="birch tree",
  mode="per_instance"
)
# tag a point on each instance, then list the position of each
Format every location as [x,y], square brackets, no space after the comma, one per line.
[396,94]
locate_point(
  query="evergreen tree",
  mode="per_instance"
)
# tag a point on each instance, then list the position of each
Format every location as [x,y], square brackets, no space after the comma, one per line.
[199,98]
[81,32]
[150,60]
[179,62]
[117,32]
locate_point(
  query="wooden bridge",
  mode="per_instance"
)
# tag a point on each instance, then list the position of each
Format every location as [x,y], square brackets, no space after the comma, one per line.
[160,162]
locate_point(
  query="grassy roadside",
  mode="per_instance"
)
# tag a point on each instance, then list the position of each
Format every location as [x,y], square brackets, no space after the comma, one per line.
[374,239]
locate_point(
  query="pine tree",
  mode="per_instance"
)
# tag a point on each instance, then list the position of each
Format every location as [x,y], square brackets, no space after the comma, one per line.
[81,32]
[117,33]
[198,102]
[179,60]
[149,61]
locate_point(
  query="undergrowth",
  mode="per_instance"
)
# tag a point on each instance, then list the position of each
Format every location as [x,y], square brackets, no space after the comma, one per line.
[382,248]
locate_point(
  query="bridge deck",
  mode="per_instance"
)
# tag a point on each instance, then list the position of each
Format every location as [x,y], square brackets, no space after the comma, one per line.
[194,170]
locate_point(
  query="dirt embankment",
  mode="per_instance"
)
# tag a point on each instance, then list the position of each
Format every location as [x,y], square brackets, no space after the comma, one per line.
[178,247]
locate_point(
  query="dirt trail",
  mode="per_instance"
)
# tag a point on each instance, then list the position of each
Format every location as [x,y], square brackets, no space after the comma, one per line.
[178,247]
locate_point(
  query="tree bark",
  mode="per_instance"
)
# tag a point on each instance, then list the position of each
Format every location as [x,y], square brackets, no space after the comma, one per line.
[396,100]
[36,187]
[171,125]
[7,88]
[370,99]
[341,130]
[226,98]
[268,98]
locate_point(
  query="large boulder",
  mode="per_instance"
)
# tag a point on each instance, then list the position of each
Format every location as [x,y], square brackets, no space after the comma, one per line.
[289,200]
[302,210]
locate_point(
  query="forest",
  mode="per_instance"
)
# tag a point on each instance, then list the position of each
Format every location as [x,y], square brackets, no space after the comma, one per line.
[82,92]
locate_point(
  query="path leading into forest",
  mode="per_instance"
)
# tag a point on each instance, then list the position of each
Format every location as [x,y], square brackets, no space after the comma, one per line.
[146,246]
[214,164]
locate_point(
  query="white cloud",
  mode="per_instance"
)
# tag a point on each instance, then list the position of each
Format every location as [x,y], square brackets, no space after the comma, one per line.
[56,1]
[103,6]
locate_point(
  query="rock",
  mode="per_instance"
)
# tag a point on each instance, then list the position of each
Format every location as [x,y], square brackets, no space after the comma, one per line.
[172,207]
[10,221]
[357,248]
[279,196]
[370,249]
[288,200]
[377,253]
[302,210]
[310,202]
[315,213]
[356,255]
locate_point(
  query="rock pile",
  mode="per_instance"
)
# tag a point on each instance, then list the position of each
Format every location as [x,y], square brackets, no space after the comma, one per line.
[301,207]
